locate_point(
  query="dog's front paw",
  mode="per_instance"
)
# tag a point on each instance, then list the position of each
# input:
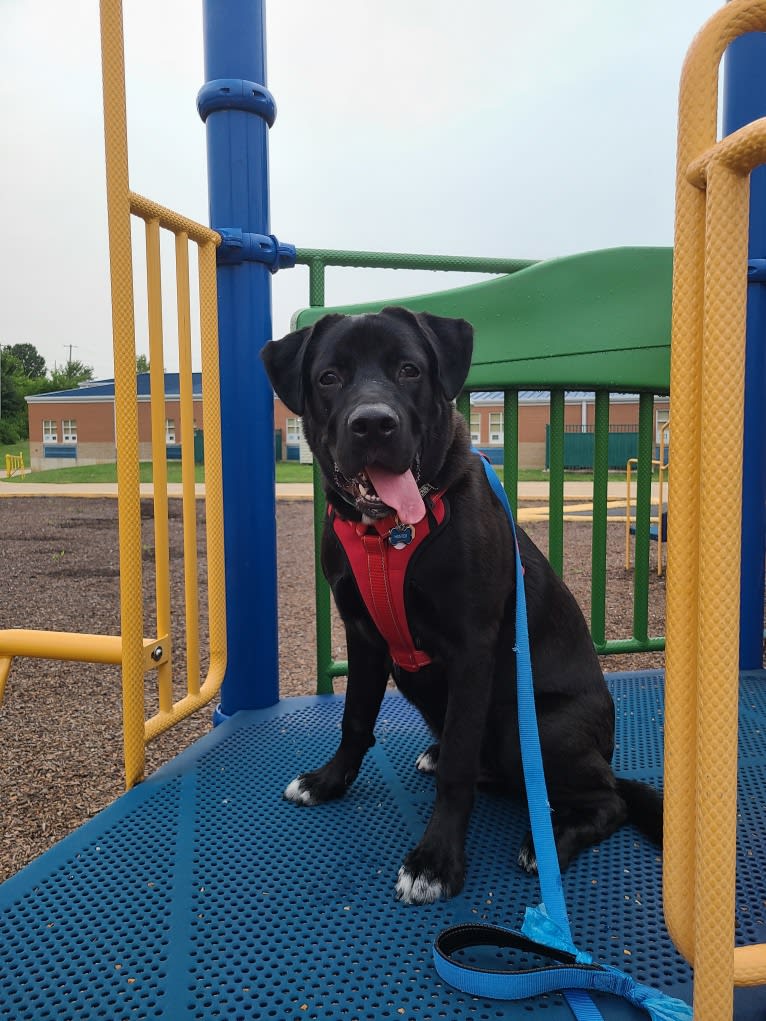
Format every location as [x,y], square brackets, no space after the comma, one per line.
[427,761]
[425,878]
[299,791]
[319,786]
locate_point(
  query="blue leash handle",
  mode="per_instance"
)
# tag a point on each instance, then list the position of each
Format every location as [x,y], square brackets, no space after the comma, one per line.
[546,931]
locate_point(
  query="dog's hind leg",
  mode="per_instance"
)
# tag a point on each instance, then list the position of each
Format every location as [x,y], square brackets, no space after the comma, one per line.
[428,760]
[580,820]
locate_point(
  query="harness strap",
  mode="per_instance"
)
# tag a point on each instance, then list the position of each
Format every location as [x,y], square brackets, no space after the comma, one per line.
[546,929]
[380,568]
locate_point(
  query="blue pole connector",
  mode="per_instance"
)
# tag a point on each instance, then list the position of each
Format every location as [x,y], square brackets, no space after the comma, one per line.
[239,246]
[236,94]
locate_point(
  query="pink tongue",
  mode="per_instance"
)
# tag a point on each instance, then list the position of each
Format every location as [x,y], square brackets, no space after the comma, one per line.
[400,492]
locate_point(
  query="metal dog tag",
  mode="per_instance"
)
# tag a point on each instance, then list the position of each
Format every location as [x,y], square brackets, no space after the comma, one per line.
[401,535]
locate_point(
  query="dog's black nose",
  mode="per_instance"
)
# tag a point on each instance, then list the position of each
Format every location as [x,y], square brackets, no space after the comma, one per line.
[373,421]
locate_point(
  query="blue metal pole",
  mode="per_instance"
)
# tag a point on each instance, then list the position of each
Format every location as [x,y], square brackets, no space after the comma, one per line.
[238,110]
[744,101]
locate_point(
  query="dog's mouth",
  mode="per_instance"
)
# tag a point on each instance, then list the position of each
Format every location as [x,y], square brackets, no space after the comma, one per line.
[378,492]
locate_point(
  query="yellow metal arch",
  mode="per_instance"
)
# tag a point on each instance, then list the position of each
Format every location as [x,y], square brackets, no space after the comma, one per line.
[707,379]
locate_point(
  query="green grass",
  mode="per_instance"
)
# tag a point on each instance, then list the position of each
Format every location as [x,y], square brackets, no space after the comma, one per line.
[287,471]
[22,447]
[540,475]
[104,473]
[292,471]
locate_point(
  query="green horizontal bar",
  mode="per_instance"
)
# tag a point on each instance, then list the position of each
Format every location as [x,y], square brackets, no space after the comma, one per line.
[402,260]
[631,645]
[338,668]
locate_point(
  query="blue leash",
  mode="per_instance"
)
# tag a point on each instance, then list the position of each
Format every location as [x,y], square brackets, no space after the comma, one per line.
[546,931]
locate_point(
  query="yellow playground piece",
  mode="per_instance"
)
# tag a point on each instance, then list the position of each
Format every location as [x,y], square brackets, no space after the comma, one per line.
[140,655]
[14,463]
[661,465]
[707,379]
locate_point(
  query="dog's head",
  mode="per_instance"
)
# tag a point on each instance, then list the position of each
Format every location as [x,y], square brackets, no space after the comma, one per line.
[375,394]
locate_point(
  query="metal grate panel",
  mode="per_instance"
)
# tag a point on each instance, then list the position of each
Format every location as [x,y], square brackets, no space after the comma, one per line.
[201,894]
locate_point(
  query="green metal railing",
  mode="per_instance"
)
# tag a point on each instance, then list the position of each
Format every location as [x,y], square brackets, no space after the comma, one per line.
[317,261]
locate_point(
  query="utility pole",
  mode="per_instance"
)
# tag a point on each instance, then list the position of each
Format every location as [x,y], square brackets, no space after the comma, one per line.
[70,346]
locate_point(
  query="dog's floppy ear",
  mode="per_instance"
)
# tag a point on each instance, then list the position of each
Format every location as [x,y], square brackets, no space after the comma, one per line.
[451,341]
[283,360]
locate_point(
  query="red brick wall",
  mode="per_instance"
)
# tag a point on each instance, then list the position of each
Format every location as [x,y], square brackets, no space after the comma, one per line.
[95,421]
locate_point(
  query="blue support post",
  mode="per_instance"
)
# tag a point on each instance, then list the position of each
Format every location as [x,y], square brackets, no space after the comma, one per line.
[238,110]
[744,101]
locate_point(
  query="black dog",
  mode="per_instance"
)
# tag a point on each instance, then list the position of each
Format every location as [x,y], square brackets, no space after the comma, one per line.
[375,392]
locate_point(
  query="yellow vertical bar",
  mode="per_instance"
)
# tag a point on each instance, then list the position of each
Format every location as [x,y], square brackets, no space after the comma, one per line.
[211,417]
[126,410]
[628,512]
[191,594]
[720,472]
[696,132]
[697,124]
[661,477]
[159,454]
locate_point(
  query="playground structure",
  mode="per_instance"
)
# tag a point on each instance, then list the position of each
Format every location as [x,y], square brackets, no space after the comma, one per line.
[14,463]
[659,521]
[181,899]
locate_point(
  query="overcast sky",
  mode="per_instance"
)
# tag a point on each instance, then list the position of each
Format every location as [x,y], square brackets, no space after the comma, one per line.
[492,127]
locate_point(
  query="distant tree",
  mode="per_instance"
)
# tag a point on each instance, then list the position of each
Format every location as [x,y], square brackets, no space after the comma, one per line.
[142,363]
[13,407]
[70,375]
[31,361]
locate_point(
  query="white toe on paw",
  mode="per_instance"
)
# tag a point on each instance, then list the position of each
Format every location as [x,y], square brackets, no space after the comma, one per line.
[528,859]
[298,793]
[426,762]
[417,889]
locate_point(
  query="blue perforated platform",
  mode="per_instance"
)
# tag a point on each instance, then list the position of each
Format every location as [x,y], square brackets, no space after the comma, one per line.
[203,895]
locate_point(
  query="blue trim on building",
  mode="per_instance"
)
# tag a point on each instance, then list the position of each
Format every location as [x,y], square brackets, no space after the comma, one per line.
[105,388]
[60,450]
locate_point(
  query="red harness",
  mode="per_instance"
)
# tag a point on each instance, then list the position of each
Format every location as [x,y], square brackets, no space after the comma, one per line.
[380,569]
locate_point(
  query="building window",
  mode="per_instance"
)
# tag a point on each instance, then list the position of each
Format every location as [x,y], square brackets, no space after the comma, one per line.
[69,431]
[475,427]
[170,430]
[661,419]
[293,427]
[50,432]
[495,427]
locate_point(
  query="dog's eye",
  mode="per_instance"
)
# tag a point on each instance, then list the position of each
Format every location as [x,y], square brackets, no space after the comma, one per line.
[409,371]
[329,378]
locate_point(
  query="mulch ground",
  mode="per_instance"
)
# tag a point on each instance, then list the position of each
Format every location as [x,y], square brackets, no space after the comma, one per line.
[60,726]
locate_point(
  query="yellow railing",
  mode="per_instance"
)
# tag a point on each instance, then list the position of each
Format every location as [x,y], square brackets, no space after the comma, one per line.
[662,467]
[137,654]
[14,463]
[707,379]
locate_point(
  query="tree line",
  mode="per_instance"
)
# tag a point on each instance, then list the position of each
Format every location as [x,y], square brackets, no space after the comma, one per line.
[23,372]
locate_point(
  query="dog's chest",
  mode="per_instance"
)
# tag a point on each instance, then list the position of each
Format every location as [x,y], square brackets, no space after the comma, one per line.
[381,557]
